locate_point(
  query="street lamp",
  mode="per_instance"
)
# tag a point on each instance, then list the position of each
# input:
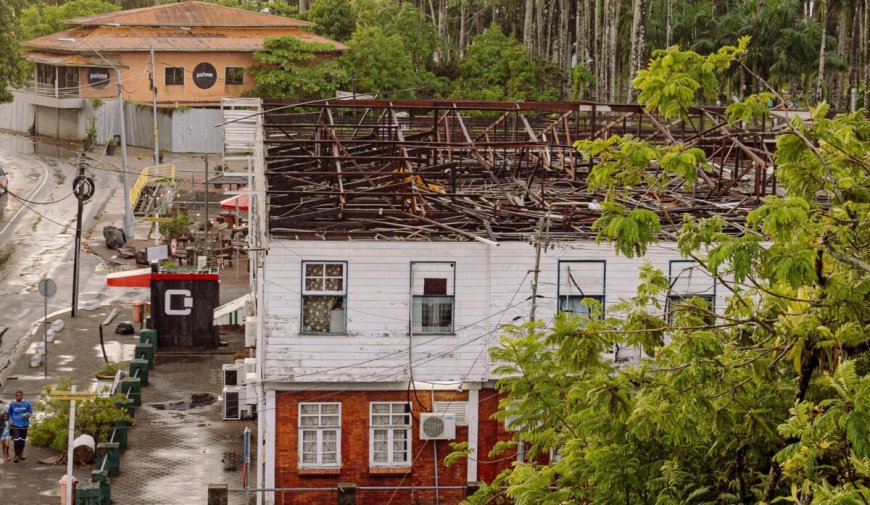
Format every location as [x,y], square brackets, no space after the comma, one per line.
[153,90]
[128,213]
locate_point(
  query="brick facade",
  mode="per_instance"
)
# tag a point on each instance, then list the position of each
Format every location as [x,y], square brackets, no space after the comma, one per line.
[355,437]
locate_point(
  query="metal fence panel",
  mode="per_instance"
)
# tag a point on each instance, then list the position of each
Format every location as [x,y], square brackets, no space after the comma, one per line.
[17,116]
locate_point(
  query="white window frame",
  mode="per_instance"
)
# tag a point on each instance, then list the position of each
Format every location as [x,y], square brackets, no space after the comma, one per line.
[567,291]
[680,296]
[431,270]
[404,409]
[319,431]
[341,327]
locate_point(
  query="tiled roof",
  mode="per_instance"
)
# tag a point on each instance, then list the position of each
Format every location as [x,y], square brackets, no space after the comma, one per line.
[189,14]
[114,39]
[71,60]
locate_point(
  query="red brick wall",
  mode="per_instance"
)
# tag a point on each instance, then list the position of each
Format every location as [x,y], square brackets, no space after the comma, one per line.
[355,449]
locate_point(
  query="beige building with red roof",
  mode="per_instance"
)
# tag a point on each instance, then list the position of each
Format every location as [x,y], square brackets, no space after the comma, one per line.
[201,53]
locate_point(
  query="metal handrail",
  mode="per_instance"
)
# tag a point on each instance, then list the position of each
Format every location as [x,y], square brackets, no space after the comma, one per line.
[165,171]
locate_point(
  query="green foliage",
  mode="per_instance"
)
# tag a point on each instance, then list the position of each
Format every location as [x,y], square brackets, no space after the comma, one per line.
[334,18]
[291,68]
[290,9]
[379,64]
[675,78]
[95,417]
[12,66]
[175,228]
[110,368]
[404,20]
[497,67]
[581,79]
[40,19]
[766,400]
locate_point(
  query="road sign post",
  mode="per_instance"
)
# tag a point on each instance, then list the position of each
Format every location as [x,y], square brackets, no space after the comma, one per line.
[47,288]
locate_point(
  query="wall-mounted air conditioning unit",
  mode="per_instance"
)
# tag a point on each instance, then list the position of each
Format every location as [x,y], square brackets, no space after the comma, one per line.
[251,331]
[234,402]
[232,374]
[437,426]
[247,411]
[251,388]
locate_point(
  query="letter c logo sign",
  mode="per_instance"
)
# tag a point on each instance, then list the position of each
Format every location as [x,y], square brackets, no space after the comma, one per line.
[188,302]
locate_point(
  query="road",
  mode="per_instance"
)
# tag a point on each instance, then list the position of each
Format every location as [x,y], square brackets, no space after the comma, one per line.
[37,234]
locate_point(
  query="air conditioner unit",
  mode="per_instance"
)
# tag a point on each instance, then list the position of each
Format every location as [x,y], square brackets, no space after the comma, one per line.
[234,401]
[437,426]
[247,411]
[250,366]
[232,374]
[251,388]
[251,331]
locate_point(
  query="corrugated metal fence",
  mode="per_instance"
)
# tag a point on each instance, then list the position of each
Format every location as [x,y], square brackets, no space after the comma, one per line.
[17,116]
[181,130]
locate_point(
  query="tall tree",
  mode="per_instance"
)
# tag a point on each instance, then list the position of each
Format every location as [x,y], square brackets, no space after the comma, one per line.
[334,18]
[765,402]
[380,64]
[291,68]
[38,19]
[12,73]
[497,67]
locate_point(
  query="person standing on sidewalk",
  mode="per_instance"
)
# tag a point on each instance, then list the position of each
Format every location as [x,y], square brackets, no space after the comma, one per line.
[19,415]
[6,435]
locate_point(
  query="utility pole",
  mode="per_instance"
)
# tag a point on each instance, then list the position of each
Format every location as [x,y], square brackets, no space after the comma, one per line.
[154,107]
[128,213]
[83,188]
[206,246]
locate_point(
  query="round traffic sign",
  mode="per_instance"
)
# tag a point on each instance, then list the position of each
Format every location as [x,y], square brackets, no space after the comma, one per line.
[47,288]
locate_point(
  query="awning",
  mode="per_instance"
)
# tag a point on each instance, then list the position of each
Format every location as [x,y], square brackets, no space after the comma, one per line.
[236,202]
[140,278]
[232,312]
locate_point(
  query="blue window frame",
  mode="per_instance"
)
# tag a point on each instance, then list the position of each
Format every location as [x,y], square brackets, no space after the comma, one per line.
[579,280]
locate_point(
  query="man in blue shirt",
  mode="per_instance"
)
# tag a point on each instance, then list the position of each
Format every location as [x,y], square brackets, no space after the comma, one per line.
[20,412]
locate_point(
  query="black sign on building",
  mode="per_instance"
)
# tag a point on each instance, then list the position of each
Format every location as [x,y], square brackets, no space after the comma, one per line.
[204,75]
[182,309]
[98,77]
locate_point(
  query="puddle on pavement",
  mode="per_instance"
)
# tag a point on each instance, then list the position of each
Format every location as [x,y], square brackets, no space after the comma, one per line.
[196,400]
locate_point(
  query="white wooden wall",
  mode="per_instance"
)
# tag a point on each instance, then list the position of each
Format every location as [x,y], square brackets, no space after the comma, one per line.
[493,287]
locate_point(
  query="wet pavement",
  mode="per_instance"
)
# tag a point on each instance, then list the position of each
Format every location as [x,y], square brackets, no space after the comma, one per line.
[179,444]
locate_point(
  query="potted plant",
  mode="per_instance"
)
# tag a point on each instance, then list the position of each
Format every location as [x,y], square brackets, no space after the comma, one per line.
[110,147]
[109,369]
[90,134]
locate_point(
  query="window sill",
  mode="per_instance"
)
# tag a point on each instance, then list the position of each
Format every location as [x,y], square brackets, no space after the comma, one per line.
[336,470]
[389,470]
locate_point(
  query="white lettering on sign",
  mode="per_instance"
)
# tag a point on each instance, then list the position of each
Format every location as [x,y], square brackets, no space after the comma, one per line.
[188,302]
[200,75]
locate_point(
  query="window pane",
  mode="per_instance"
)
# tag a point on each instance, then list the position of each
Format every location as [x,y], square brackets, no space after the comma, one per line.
[329,408]
[309,408]
[335,284]
[381,408]
[433,314]
[313,269]
[335,270]
[400,446]
[315,313]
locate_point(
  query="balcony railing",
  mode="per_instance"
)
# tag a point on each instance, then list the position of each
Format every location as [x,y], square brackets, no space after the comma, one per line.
[43,89]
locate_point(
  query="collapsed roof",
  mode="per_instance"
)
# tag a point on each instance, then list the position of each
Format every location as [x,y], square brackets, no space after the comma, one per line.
[491,171]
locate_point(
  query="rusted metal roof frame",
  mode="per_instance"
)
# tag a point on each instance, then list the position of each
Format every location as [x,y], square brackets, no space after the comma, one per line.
[436,170]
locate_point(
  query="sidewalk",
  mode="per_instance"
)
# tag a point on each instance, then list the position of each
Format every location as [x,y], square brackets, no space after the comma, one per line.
[179,445]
